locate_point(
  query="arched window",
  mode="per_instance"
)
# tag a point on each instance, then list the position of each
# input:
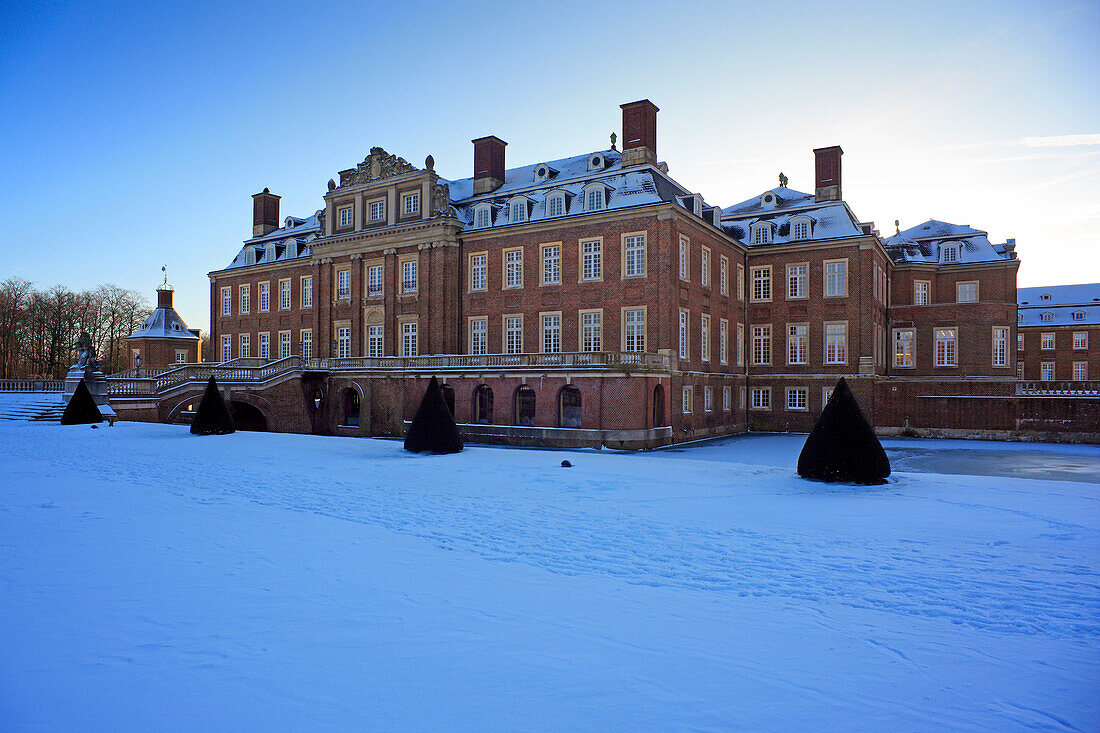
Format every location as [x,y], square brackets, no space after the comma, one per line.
[569,407]
[524,406]
[351,407]
[658,406]
[449,397]
[483,405]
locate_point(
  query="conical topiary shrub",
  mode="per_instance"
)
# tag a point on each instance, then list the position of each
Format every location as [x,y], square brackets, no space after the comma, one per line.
[843,445]
[212,417]
[82,409]
[433,428]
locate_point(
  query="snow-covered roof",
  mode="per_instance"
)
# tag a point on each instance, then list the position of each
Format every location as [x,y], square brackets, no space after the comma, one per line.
[290,241]
[830,219]
[785,198]
[164,322]
[1064,305]
[925,243]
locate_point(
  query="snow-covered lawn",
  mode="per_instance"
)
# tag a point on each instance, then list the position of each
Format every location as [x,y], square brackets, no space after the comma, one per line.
[152,580]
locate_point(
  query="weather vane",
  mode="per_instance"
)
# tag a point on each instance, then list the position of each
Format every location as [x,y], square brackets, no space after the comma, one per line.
[614,137]
[782,180]
[897,226]
[164,269]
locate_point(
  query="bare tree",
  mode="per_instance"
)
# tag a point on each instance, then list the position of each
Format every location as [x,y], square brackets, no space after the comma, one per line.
[14,304]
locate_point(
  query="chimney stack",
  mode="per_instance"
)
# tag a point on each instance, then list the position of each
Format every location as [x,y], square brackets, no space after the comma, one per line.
[827,167]
[265,213]
[164,297]
[639,133]
[488,164]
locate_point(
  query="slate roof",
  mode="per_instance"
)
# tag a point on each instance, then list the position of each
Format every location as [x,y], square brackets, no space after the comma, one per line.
[924,243]
[164,322]
[290,241]
[1061,302]
[829,219]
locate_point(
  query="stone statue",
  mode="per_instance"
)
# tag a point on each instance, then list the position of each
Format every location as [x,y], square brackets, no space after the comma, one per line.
[441,201]
[85,352]
[782,180]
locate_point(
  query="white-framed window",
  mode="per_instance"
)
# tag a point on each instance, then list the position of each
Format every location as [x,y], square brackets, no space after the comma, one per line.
[708,405]
[408,339]
[704,266]
[592,259]
[306,334]
[741,398]
[798,398]
[551,333]
[1080,371]
[246,299]
[1048,316]
[683,339]
[479,271]
[761,398]
[555,204]
[762,345]
[1046,341]
[725,399]
[517,212]
[375,342]
[307,291]
[798,280]
[1019,370]
[344,214]
[761,283]
[227,301]
[245,340]
[1080,339]
[1000,346]
[761,233]
[378,210]
[343,284]
[904,347]
[966,292]
[723,341]
[723,275]
[800,228]
[227,347]
[479,336]
[704,337]
[685,273]
[836,278]
[740,282]
[284,344]
[1078,315]
[265,345]
[284,295]
[408,276]
[513,334]
[826,395]
[950,253]
[265,297]
[1046,371]
[798,343]
[740,345]
[594,199]
[410,204]
[592,330]
[1019,342]
[551,264]
[634,255]
[686,396]
[920,292]
[376,280]
[483,216]
[836,342]
[946,347]
[634,329]
[513,268]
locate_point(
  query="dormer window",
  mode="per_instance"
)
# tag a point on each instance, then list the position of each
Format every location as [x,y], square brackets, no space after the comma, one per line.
[693,203]
[768,201]
[483,216]
[555,204]
[517,210]
[801,227]
[760,233]
[544,172]
[1044,297]
[595,197]
[1048,316]
[950,253]
[596,162]
[1078,315]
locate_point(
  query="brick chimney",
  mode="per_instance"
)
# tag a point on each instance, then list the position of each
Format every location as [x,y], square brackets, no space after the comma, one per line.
[827,168]
[164,297]
[265,213]
[488,164]
[639,133]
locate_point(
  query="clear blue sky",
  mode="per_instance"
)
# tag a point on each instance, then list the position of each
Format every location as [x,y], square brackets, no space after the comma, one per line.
[133,135]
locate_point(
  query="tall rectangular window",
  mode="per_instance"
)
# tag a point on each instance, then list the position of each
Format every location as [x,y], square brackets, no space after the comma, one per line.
[555,205]
[483,217]
[344,214]
[966,292]
[704,267]
[551,333]
[408,339]
[594,199]
[920,292]
[1019,342]
[227,347]
[685,400]
[634,329]
[798,343]
[307,291]
[724,275]
[723,340]
[1046,371]
[343,342]
[408,276]
[518,212]
[762,345]
[1046,341]
[946,348]
[634,255]
[265,297]
[377,210]
[246,344]
[551,264]
[740,344]
[761,283]
[797,398]
[761,398]
[726,398]
[376,278]
[683,334]
[410,204]
[343,284]
[836,278]
[904,342]
[227,301]
[740,282]
[592,260]
[1019,370]
[836,343]
[707,400]
[246,299]
[284,344]
[479,336]
[479,271]
[513,335]
[1000,347]
[284,295]
[704,337]
[307,343]
[685,273]
[592,331]
[1080,339]
[513,268]
[798,277]
[1080,371]
[375,342]
[265,345]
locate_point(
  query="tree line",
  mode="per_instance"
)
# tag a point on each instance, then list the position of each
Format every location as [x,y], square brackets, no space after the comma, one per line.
[39,328]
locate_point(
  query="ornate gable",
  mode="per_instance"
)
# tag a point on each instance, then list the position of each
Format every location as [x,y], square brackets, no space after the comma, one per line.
[376,166]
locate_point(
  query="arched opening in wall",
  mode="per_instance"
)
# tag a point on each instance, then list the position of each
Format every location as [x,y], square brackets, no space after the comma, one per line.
[569,407]
[248,417]
[351,408]
[317,398]
[483,405]
[658,406]
[449,397]
[524,406]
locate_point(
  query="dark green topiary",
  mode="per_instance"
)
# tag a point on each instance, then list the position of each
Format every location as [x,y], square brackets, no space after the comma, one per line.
[82,409]
[212,417]
[433,428]
[843,445]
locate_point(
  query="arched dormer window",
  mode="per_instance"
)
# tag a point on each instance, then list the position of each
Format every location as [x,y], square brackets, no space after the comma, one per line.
[802,227]
[597,162]
[555,203]
[1044,296]
[595,196]
[483,215]
[949,253]
[760,232]
[543,172]
[1048,316]
[1078,315]
[519,209]
[768,200]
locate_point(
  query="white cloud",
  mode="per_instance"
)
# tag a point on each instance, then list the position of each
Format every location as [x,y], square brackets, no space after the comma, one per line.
[1060,141]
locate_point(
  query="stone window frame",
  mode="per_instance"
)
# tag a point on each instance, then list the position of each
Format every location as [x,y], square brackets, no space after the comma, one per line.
[936,340]
[623,341]
[624,273]
[381,340]
[763,404]
[894,333]
[704,337]
[765,332]
[402,262]
[504,268]
[226,347]
[993,346]
[302,341]
[410,211]
[1083,342]
[740,282]
[542,263]
[825,342]
[555,196]
[486,209]
[581,326]
[244,343]
[723,340]
[337,327]
[289,293]
[342,294]
[704,266]
[804,280]
[683,333]
[805,392]
[470,321]
[1053,367]
[739,346]
[708,399]
[227,300]
[917,292]
[402,333]
[543,315]
[179,353]
[685,258]
[958,291]
[289,343]
[752,283]
[581,259]
[263,289]
[825,278]
[1043,340]
[504,318]
[723,275]
[806,350]
[244,298]
[341,209]
[1078,368]
[472,288]
[368,210]
[305,288]
[687,399]
[368,268]
[263,343]
[725,398]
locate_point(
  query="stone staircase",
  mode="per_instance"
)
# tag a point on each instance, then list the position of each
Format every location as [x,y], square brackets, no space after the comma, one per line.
[41,406]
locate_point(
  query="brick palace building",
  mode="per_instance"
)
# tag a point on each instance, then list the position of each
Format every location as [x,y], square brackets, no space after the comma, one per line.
[594,300]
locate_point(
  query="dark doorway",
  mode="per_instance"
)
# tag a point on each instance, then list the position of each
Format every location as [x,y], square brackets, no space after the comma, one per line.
[449,397]
[248,417]
[569,407]
[351,408]
[524,406]
[483,405]
[658,406]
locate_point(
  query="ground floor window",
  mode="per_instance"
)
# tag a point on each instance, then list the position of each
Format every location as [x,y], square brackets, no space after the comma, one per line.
[761,398]
[797,398]
[726,398]
[708,404]
[686,397]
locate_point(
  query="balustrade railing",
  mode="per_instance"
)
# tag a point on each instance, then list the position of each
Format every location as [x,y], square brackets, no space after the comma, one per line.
[32,385]
[1058,389]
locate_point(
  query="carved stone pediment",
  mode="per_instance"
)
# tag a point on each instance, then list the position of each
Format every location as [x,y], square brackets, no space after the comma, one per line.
[376,166]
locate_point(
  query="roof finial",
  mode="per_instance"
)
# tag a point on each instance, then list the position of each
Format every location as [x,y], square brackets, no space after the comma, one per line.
[782,180]
[897,226]
[614,137]
[164,269]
